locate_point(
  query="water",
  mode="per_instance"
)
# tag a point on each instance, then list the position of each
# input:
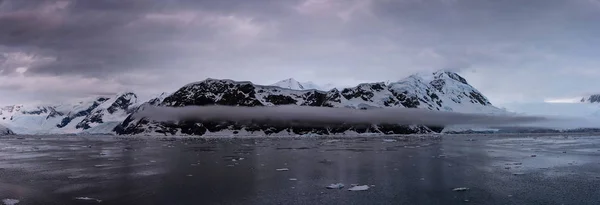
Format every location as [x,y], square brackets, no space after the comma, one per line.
[497,169]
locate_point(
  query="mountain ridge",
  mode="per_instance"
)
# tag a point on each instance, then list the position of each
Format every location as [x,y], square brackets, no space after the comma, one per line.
[445,91]
[441,90]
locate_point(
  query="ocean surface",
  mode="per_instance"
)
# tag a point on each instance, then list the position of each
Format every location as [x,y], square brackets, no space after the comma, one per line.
[439,169]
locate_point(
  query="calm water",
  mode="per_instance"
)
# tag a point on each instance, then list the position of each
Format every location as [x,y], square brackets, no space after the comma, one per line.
[497,169]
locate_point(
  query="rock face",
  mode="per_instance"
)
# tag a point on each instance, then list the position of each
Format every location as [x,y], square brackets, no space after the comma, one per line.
[5,131]
[97,115]
[591,99]
[438,91]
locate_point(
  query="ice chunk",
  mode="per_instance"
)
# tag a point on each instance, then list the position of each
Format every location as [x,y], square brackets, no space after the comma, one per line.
[460,189]
[335,186]
[389,140]
[293,179]
[10,201]
[283,169]
[359,188]
[88,199]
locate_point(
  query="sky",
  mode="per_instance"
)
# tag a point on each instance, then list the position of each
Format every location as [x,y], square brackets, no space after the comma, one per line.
[513,51]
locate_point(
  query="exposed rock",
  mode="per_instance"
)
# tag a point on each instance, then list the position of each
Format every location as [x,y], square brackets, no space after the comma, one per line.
[445,91]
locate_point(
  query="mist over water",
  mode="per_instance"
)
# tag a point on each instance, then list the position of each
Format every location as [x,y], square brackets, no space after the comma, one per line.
[326,116]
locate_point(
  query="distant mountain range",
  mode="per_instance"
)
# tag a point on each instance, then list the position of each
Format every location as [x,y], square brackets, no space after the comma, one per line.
[440,90]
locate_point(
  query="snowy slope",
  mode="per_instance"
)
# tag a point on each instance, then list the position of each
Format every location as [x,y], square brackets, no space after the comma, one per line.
[109,114]
[293,84]
[442,90]
[69,118]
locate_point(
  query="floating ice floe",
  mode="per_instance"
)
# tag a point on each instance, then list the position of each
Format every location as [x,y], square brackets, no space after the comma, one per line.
[335,186]
[88,199]
[10,201]
[389,140]
[460,189]
[359,188]
[293,179]
[283,169]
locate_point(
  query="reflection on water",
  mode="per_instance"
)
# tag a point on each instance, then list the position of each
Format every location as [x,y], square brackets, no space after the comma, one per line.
[405,170]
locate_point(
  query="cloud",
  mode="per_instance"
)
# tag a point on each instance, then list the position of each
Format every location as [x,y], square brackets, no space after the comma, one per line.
[171,43]
[324,116]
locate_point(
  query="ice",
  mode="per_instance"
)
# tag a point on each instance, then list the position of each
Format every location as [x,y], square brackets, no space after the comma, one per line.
[335,186]
[283,169]
[293,179]
[10,201]
[359,188]
[460,189]
[88,199]
[389,140]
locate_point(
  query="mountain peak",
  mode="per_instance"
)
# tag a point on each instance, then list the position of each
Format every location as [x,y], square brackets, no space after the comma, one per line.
[449,74]
[290,83]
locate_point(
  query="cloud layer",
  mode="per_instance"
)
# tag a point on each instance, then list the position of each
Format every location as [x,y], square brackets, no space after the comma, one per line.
[323,116]
[544,48]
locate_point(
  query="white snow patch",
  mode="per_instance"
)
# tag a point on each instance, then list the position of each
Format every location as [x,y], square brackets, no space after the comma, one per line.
[10,201]
[460,189]
[335,186]
[359,188]
[88,199]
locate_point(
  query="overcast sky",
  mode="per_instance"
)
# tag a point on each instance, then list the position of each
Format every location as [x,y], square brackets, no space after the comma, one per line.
[511,50]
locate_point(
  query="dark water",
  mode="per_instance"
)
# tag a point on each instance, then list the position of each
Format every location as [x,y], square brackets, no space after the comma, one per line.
[497,169]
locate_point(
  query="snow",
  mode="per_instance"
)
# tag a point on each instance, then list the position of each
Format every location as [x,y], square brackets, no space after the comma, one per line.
[335,186]
[10,201]
[460,189]
[293,84]
[40,119]
[555,109]
[359,188]
[454,95]
[88,199]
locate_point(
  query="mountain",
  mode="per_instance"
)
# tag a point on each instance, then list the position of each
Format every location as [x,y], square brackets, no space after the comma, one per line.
[591,99]
[441,90]
[293,84]
[96,115]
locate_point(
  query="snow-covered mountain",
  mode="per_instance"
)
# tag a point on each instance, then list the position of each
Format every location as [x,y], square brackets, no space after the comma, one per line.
[96,115]
[441,90]
[293,84]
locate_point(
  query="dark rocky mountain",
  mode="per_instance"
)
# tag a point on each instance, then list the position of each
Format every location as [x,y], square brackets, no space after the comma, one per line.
[591,99]
[438,91]
[5,131]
